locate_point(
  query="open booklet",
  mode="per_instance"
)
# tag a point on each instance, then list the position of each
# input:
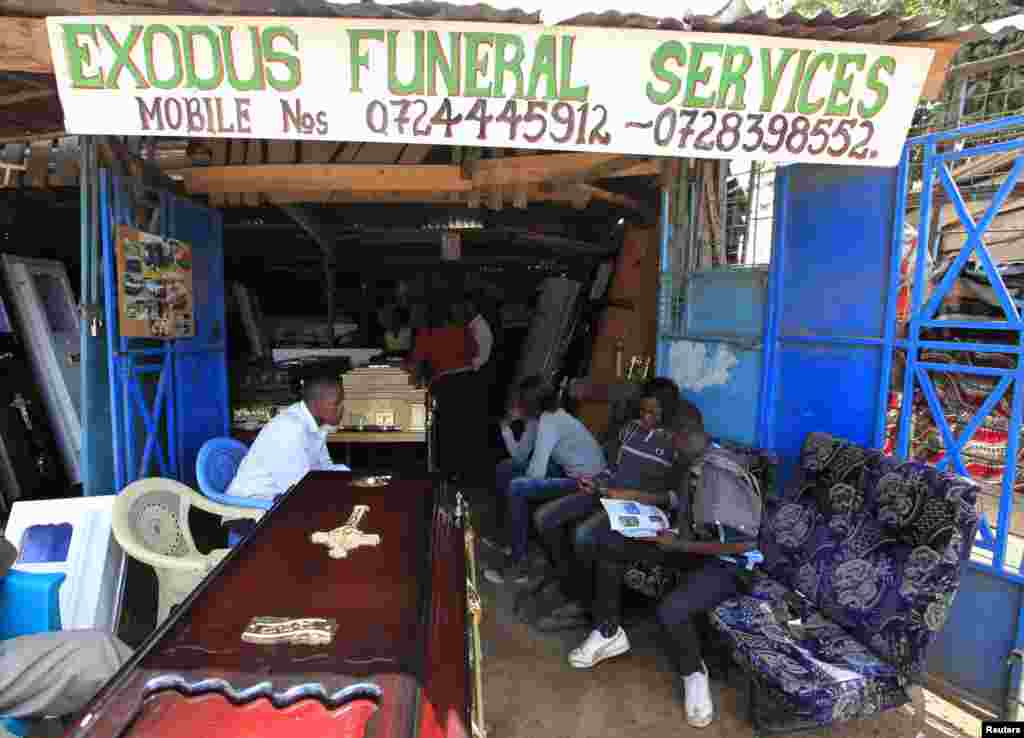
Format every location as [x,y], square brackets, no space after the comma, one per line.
[634,520]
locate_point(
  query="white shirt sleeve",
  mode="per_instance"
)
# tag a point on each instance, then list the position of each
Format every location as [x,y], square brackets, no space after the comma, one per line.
[520,450]
[547,437]
[484,340]
[325,462]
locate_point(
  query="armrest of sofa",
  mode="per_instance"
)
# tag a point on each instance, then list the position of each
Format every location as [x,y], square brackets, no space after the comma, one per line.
[29,603]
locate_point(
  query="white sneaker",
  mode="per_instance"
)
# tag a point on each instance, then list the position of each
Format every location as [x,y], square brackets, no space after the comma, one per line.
[699,709]
[597,648]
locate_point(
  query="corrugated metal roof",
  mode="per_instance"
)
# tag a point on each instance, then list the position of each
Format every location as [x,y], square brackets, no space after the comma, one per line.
[736,16]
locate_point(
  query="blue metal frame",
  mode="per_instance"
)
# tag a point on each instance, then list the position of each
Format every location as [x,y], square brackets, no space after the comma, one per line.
[769,372]
[922,315]
[130,363]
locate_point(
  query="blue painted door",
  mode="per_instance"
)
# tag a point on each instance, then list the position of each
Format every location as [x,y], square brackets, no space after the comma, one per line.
[826,327]
[167,397]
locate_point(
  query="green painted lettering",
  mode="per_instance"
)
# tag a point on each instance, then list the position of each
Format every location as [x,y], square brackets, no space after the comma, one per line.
[438,62]
[843,83]
[771,78]
[415,85]
[877,86]
[475,65]
[78,55]
[566,91]
[149,44]
[504,65]
[794,93]
[123,59]
[289,60]
[189,34]
[359,59]
[734,79]
[697,76]
[258,80]
[804,105]
[543,66]
[666,52]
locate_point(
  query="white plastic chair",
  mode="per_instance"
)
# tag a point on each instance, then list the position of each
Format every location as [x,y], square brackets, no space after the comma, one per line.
[150,522]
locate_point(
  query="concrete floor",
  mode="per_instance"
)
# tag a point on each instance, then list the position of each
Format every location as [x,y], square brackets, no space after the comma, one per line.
[530,690]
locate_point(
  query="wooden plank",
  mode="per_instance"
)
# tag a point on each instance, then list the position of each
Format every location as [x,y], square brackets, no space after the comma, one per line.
[66,158]
[39,164]
[938,71]
[319,152]
[423,178]
[253,155]
[281,152]
[218,157]
[24,46]
[26,96]
[378,153]
[237,151]
[414,153]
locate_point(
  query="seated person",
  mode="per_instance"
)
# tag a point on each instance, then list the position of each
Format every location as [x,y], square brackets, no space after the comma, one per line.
[643,471]
[709,560]
[563,453]
[518,450]
[53,674]
[291,445]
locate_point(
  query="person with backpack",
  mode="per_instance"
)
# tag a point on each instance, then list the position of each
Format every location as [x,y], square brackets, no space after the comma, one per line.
[718,517]
[644,470]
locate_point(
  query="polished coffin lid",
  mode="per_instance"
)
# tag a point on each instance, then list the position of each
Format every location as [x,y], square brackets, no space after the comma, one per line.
[398,657]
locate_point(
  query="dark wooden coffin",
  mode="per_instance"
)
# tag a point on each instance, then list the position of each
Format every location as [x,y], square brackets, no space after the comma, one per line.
[399,664]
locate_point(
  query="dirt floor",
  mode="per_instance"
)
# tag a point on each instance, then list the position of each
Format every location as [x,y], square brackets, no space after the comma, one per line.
[531,691]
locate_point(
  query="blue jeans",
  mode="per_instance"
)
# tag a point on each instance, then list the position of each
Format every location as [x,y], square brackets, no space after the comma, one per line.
[521,492]
[570,528]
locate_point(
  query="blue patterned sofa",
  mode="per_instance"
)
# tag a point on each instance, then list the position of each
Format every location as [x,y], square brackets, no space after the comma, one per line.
[861,566]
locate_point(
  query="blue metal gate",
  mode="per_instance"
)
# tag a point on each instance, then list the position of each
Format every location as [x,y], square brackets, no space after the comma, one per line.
[167,397]
[969,659]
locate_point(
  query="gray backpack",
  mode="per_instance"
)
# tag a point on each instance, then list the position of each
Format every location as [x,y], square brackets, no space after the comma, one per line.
[725,492]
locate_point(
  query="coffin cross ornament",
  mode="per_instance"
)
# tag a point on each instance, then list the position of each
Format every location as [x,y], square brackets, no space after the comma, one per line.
[348,537]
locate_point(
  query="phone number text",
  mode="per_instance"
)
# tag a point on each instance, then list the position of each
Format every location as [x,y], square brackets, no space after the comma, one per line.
[532,121]
[756,133]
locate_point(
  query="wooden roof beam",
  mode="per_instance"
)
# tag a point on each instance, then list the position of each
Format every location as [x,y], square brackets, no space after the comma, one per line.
[24,46]
[430,178]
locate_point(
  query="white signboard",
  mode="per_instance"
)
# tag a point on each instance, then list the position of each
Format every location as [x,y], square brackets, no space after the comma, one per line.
[659,93]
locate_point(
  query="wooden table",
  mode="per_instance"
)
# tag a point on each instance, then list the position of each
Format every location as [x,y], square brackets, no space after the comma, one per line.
[397,666]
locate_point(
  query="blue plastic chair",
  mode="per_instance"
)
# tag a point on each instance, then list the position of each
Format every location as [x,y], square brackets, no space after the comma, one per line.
[216,466]
[29,603]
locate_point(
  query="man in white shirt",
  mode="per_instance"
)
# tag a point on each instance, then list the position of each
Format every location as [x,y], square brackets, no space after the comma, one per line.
[291,445]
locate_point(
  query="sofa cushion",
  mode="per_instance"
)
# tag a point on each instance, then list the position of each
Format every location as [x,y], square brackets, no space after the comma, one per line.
[875,544]
[821,673]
